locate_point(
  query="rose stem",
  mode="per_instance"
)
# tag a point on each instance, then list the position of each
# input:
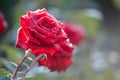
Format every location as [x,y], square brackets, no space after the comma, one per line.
[24,58]
[40,57]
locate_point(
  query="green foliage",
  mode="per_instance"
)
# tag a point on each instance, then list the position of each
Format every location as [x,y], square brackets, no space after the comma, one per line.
[4,75]
[3,72]
[62,4]
[90,24]
[12,53]
[116,3]
[38,77]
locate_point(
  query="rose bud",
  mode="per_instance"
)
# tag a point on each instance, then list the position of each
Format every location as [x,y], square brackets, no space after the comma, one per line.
[3,23]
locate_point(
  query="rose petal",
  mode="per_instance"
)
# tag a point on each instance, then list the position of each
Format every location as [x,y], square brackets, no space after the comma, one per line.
[21,39]
[56,63]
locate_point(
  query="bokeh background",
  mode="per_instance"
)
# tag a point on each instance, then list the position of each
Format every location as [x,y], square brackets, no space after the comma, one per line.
[95,58]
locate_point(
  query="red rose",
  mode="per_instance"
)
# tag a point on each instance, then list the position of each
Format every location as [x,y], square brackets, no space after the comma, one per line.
[74,32]
[3,24]
[42,33]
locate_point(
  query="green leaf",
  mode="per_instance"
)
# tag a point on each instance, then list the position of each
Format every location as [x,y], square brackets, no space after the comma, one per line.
[11,66]
[4,74]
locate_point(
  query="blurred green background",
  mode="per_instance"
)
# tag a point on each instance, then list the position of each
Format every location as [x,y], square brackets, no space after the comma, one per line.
[96,58]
